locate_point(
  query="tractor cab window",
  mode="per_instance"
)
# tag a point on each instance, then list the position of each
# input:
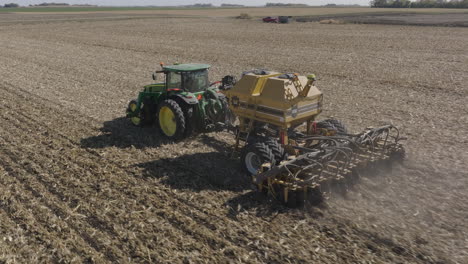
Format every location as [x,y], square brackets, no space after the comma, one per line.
[195,81]
[174,80]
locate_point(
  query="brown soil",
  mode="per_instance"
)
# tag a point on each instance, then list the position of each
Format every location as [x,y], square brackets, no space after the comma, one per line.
[79,184]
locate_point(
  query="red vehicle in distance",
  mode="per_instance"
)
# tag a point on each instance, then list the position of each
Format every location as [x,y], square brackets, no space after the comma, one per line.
[270,19]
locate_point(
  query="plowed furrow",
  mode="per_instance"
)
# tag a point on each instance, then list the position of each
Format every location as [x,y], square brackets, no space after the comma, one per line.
[90,204]
[47,108]
[17,242]
[43,220]
[55,65]
[182,222]
[195,212]
[26,176]
[39,239]
[239,237]
[197,215]
[30,119]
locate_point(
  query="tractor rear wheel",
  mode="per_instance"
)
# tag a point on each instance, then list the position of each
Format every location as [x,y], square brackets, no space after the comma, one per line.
[171,119]
[254,155]
[189,120]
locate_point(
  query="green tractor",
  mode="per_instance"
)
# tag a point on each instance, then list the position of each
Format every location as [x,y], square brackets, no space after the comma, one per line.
[182,103]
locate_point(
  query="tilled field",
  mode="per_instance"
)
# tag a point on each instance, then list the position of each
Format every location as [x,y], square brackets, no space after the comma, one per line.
[444,20]
[80,184]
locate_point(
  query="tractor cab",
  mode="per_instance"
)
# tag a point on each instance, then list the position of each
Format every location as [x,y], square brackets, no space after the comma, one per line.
[191,77]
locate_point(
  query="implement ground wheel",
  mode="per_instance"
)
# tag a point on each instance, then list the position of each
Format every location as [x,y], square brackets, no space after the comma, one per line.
[295,199]
[171,119]
[276,149]
[333,124]
[254,155]
[314,196]
[298,198]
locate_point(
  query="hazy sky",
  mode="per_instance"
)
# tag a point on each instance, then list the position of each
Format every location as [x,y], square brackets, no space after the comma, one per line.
[184,2]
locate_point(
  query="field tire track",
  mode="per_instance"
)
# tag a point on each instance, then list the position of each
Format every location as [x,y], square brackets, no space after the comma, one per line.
[192,211]
[60,191]
[37,189]
[213,242]
[17,212]
[190,207]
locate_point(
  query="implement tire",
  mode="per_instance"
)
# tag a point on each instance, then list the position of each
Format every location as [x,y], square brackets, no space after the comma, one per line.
[276,149]
[171,120]
[333,124]
[254,155]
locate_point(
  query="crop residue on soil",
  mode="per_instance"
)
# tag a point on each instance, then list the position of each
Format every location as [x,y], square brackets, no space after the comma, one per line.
[80,184]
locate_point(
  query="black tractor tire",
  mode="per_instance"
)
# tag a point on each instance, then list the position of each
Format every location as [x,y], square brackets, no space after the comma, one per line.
[189,115]
[333,124]
[148,112]
[146,115]
[165,108]
[131,108]
[254,154]
[276,149]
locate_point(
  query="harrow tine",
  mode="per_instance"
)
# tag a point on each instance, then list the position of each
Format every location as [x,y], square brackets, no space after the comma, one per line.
[332,159]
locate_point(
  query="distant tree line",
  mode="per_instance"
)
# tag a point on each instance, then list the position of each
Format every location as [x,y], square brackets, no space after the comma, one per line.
[13,5]
[335,5]
[231,5]
[199,5]
[53,4]
[10,5]
[60,4]
[284,5]
[420,4]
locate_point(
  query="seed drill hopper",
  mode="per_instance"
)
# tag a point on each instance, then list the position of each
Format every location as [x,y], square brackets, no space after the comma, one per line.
[288,153]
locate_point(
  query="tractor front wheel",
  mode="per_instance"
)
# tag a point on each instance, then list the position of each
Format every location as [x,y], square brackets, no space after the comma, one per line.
[145,116]
[171,119]
[131,109]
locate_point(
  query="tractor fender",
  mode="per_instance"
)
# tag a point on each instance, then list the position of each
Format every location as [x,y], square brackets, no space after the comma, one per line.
[187,98]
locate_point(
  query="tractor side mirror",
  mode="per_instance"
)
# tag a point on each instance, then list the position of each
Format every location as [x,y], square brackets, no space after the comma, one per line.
[155,76]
